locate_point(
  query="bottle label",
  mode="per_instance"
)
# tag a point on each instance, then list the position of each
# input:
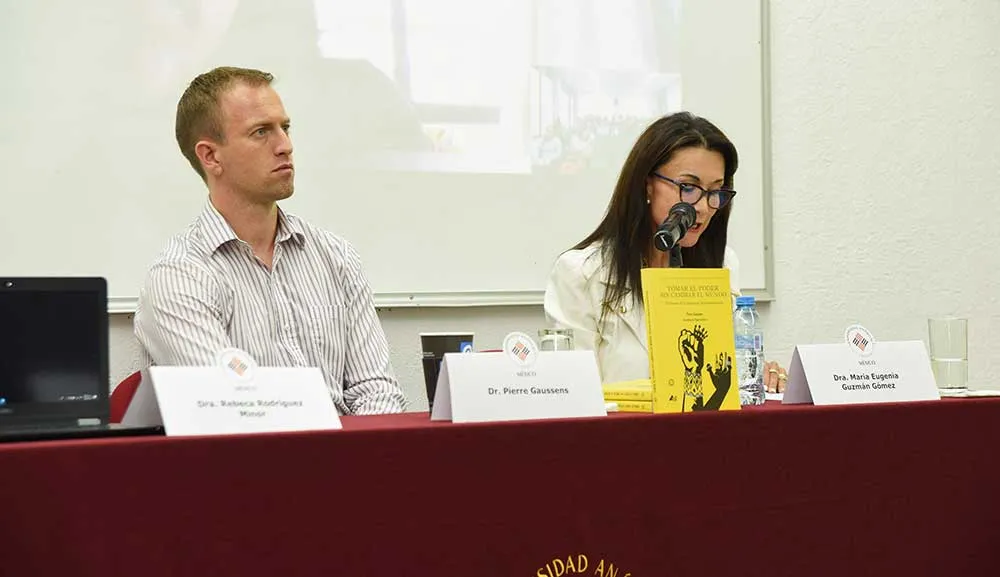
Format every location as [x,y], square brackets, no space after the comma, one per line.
[753,342]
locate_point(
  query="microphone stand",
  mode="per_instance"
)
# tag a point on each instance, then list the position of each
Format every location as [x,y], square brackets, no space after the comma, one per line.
[676,260]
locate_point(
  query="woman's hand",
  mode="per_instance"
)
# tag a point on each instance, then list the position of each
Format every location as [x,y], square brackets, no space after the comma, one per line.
[775,377]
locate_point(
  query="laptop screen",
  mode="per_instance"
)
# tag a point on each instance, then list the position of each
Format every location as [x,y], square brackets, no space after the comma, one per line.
[53,349]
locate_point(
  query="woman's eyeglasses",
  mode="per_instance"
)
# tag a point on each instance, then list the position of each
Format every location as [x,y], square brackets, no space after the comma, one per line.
[693,193]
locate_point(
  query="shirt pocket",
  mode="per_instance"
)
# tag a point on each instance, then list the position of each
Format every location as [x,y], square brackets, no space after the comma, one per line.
[326,327]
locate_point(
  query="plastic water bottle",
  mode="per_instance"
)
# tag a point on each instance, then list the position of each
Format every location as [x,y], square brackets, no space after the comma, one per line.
[749,351]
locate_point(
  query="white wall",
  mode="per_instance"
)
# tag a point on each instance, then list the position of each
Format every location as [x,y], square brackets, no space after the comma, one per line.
[886,152]
[886,168]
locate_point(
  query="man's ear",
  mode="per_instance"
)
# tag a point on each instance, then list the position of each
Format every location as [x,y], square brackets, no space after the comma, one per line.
[208,153]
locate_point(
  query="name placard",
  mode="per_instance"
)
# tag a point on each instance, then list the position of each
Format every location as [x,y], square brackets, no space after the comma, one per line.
[840,374]
[519,383]
[234,396]
[204,401]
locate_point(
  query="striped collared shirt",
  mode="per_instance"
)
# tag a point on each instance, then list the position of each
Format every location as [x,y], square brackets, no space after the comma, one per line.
[313,308]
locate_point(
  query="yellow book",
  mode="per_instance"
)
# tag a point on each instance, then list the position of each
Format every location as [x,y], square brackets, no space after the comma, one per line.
[689,327]
[633,406]
[637,390]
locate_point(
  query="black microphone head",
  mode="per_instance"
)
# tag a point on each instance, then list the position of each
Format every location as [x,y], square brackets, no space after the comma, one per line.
[680,218]
[686,211]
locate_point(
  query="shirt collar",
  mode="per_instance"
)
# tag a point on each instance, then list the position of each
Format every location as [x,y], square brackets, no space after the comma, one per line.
[290,228]
[217,232]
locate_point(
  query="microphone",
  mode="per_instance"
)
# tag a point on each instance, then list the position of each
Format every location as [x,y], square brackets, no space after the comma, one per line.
[681,216]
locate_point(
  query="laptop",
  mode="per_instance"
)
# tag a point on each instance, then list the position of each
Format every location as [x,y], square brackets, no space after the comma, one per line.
[54,372]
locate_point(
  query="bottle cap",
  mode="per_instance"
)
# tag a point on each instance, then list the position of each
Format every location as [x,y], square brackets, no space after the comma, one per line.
[747,301]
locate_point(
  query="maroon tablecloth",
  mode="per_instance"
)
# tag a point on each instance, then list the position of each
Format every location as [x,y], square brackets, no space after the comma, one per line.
[868,490]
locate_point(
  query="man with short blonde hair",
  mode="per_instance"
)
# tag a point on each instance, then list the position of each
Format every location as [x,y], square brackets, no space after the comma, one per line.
[246,274]
[198,112]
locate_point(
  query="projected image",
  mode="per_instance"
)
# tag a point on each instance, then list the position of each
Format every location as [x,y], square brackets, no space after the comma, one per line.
[520,85]
[429,85]
[448,85]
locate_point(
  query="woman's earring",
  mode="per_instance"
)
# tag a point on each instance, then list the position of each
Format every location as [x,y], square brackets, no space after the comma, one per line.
[647,200]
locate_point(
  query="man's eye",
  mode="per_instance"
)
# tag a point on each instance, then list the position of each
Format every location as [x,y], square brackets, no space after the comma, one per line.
[260,131]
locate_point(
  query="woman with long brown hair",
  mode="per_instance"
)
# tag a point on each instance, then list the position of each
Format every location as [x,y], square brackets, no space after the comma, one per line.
[595,287]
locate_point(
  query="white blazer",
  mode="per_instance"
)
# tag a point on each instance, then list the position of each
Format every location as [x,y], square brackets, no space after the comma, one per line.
[574,298]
